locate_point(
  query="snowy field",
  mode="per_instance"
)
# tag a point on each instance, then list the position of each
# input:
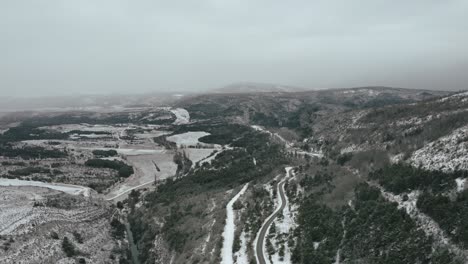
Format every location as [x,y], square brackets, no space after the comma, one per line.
[182,116]
[137,152]
[67,188]
[151,134]
[199,155]
[145,172]
[188,139]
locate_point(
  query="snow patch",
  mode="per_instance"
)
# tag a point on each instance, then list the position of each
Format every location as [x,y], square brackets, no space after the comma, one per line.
[458,95]
[460,184]
[242,255]
[182,116]
[188,138]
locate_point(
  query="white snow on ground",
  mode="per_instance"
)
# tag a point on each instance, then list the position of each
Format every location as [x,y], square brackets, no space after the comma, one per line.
[259,128]
[311,154]
[350,149]
[219,150]
[135,152]
[338,252]
[123,151]
[188,139]
[397,158]
[414,121]
[87,127]
[198,154]
[182,116]
[208,237]
[447,153]
[460,184]
[151,134]
[242,255]
[284,226]
[229,230]
[78,136]
[67,188]
[458,95]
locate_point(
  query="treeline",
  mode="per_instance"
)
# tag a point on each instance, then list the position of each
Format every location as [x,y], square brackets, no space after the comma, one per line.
[183,163]
[378,232]
[123,169]
[28,132]
[448,211]
[450,214]
[30,152]
[86,132]
[104,153]
[399,178]
[86,118]
[28,171]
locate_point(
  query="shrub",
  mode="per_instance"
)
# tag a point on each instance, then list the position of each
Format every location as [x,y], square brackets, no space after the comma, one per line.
[105,153]
[68,247]
[123,169]
[54,235]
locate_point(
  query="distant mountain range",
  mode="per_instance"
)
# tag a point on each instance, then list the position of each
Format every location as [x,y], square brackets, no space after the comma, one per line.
[97,102]
[84,102]
[252,87]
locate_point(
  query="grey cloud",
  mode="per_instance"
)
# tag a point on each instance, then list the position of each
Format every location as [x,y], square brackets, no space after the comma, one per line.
[58,47]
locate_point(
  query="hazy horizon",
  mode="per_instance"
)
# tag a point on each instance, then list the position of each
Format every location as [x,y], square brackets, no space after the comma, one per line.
[63,48]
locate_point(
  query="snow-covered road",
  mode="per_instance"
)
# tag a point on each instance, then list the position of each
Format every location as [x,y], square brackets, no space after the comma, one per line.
[229,230]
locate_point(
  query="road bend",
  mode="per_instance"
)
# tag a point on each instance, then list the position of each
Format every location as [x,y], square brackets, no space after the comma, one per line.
[262,234]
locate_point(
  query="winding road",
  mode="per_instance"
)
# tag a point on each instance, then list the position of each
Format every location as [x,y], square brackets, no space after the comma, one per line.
[260,241]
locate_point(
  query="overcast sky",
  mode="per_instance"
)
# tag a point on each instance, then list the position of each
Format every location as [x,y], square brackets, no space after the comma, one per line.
[60,47]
